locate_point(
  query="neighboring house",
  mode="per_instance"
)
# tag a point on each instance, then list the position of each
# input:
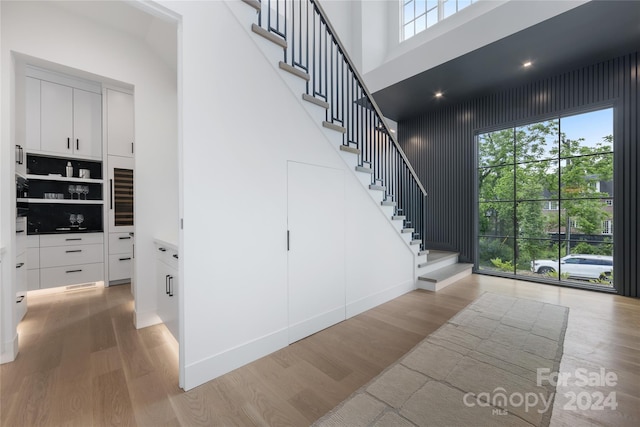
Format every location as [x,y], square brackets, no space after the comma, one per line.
[550,208]
[216,126]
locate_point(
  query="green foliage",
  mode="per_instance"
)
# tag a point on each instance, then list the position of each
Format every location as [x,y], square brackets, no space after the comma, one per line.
[494,248]
[606,281]
[555,274]
[533,159]
[503,265]
[587,248]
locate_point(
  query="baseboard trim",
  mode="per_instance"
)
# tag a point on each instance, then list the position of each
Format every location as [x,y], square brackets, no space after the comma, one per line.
[142,320]
[371,301]
[200,372]
[10,350]
[317,323]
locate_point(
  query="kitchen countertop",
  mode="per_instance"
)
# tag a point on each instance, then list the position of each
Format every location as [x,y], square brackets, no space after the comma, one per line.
[169,245]
[70,231]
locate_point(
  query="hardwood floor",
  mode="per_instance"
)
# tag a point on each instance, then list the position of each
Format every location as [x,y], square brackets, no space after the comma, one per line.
[82,363]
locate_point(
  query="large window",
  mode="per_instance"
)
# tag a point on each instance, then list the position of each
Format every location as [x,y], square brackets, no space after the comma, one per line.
[545,199]
[418,15]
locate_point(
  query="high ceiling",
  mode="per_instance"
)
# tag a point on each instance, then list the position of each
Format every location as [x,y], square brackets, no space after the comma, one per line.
[598,30]
[160,35]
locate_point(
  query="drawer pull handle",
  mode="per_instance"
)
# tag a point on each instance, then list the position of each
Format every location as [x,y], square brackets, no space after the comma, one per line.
[166,284]
[73,271]
[170,286]
[175,256]
[124,238]
[74,251]
[162,249]
[19,231]
[125,259]
[20,299]
[74,239]
[20,265]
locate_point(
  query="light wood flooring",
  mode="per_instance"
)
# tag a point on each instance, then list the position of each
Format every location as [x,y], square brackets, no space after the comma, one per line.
[82,363]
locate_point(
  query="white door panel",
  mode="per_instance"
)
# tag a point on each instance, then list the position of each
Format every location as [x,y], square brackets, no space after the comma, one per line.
[316,263]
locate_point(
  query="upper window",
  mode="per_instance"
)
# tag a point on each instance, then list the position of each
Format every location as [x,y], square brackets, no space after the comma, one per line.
[418,15]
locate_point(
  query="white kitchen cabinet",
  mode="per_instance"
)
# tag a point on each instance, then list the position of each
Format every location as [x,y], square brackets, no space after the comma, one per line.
[87,124]
[56,118]
[21,235]
[32,114]
[33,262]
[120,256]
[120,267]
[70,259]
[21,161]
[54,256]
[168,287]
[71,275]
[70,239]
[21,287]
[70,121]
[120,123]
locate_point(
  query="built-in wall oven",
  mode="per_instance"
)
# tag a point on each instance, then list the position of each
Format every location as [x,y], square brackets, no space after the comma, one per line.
[22,193]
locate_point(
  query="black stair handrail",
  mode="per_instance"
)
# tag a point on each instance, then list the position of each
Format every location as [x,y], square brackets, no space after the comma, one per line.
[314,48]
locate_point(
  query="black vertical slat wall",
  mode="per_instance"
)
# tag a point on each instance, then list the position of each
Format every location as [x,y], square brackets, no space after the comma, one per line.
[441,148]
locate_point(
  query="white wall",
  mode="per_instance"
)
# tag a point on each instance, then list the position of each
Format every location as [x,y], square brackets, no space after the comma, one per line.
[53,34]
[241,125]
[372,28]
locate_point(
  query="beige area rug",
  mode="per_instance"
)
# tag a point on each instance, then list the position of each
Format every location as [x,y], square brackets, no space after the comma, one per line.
[481,368]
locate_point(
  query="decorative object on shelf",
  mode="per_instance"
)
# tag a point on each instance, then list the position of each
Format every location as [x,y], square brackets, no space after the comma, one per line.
[73,219]
[69,170]
[79,219]
[84,173]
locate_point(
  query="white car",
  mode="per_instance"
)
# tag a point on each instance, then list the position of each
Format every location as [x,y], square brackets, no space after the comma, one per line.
[577,266]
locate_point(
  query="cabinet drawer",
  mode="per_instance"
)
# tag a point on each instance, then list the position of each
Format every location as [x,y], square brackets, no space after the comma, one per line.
[33,241]
[33,258]
[71,275]
[71,239]
[57,256]
[120,243]
[167,255]
[33,280]
[120,266]
[21,235]
[21,273]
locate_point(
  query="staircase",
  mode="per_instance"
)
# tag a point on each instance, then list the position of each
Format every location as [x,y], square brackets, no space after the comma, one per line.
[442,269]
[320,69]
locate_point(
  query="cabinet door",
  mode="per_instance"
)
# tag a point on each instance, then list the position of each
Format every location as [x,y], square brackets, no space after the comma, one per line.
[171,320]
[120,123]
[120,266]
[32,114]
[87,124]
[21,287]
[56,122]
[162,283]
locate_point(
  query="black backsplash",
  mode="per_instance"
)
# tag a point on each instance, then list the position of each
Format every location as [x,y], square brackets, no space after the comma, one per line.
[37,190]
[54,218]
[45,165]
[48,218]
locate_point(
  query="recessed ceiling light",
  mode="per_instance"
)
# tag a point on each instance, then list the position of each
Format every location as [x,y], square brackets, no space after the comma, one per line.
[438,95]
[527,64]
